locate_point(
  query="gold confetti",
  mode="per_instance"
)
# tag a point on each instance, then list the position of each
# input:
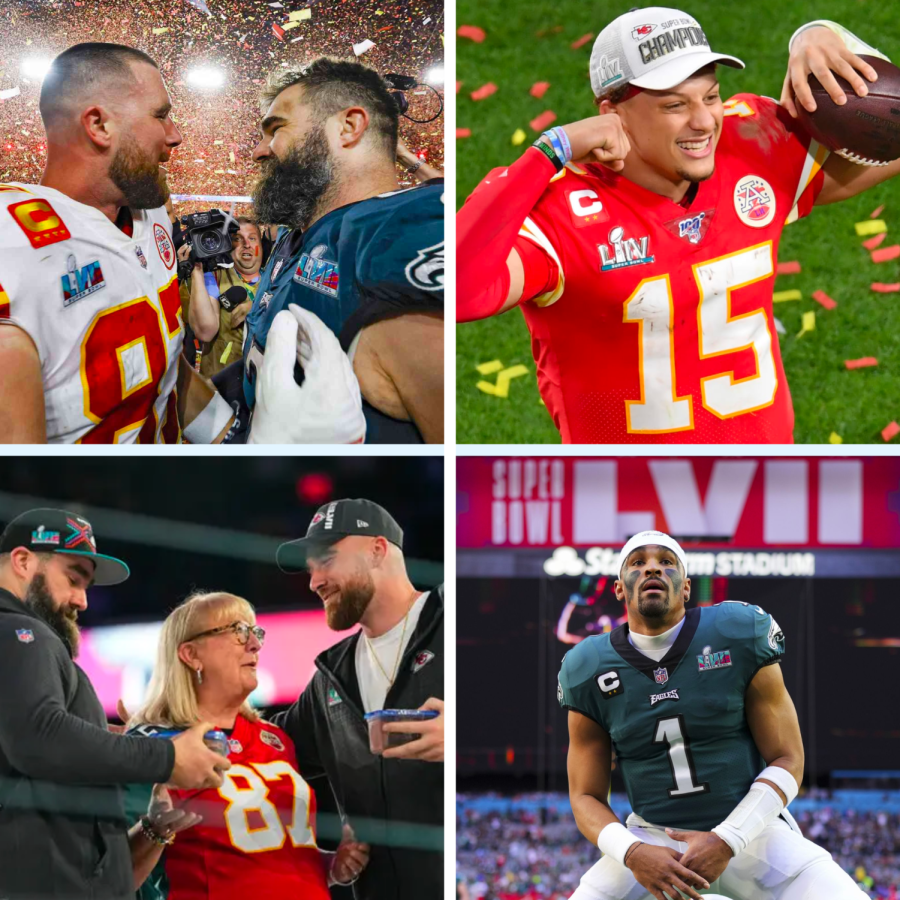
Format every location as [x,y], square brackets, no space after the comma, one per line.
[874,226]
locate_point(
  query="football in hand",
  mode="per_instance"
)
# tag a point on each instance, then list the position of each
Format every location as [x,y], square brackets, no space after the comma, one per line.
[866,129]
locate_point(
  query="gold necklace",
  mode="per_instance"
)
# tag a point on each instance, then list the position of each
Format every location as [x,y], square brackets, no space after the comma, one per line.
[390,679]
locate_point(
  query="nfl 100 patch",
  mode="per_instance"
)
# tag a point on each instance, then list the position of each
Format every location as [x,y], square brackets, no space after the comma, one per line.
[709,659]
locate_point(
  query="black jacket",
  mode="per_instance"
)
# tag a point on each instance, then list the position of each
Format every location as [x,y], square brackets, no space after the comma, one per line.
[396,805]
[62,824]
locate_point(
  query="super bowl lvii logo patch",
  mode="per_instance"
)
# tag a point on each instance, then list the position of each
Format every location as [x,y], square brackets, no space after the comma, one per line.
[719,659]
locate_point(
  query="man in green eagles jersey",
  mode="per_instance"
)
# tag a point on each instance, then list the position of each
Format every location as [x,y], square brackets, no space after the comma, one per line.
[706,738]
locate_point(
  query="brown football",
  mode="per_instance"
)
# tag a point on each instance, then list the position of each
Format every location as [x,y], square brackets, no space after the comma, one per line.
[866,129]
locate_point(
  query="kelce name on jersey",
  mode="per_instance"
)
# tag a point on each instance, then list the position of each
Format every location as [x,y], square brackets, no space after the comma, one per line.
[628,252]
[666,695]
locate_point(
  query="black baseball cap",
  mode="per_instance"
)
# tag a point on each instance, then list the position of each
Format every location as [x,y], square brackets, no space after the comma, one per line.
[333,522]
[59,531]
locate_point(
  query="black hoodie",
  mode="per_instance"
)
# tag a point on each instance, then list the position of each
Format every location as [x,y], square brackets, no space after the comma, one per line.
[396,805]
[63,832]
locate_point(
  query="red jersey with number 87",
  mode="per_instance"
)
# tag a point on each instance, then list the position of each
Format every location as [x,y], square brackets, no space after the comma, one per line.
[103,310]
[257,837]
[660,328]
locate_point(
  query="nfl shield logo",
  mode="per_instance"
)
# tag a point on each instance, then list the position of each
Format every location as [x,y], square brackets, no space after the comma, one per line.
[25,635]
[661,675]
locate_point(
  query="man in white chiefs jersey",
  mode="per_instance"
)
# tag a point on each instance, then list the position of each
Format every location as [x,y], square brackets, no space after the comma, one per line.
[88,276]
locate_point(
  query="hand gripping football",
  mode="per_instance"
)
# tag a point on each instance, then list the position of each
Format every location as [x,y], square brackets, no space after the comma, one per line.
[865,130]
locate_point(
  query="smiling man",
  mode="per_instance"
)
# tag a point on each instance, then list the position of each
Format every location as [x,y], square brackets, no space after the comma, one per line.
[641,243]
[706,739]
[353,552]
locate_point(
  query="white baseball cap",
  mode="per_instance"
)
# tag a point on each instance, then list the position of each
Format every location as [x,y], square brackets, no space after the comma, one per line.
[645,538]
[655,48]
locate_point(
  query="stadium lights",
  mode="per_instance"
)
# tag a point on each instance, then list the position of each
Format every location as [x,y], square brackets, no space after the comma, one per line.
[206,78]
[435,75]
[35,67]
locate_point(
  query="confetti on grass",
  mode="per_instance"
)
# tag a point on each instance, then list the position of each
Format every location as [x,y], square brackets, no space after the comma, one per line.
[539,88]
[824,299]
[875,226]
[787,268]
[488,368]
[863,363]
[463,132]
[876,212]
[885,254]
[874,242]
[835,438]
[890,431]
[783,296]
[581,41]
[501,388]
[548,117]
[484,91]
[808,323]
[880,288]
[472,32]
[518,137]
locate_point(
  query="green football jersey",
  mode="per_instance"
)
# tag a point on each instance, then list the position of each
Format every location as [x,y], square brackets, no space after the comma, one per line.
[678,725]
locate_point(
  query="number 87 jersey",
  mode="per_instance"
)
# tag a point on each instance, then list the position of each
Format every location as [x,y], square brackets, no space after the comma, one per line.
[103,310]
[656,325]
[678,725]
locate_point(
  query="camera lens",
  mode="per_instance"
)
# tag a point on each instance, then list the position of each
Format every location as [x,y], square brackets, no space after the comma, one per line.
[209,242]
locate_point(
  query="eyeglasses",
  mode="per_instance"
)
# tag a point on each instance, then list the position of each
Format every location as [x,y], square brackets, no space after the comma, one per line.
[241,629]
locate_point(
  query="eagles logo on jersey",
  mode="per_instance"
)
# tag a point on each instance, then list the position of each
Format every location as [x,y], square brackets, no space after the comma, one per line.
[685,753]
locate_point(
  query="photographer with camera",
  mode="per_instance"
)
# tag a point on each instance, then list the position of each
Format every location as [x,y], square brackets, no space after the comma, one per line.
[216,302]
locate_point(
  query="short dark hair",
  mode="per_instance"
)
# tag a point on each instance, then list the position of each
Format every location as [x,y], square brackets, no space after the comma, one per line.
[83,66]
[247,220]
[333,84]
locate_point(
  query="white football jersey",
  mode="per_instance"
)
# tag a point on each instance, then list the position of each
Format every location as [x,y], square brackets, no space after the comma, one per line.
[103,310]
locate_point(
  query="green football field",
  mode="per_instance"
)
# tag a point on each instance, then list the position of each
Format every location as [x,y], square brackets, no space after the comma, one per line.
[530,42]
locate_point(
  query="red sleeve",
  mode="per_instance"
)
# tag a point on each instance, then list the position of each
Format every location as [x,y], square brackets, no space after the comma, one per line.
[541,272]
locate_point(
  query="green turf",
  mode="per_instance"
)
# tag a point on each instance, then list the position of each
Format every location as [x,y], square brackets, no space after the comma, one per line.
[827,398]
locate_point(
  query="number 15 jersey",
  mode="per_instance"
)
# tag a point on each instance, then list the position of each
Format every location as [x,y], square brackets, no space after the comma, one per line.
[103,310]
[660,326]
[678,726]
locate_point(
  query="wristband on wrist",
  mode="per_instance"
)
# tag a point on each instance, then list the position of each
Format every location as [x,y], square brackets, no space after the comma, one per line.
[563,139]
[149,832]
[558,164]
[759,807]
[616,840]
[783,780]
[851,41]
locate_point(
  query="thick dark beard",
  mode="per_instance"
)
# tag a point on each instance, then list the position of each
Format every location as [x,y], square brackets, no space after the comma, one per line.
[39,598]
[140,179]
[290,190]
[352,605]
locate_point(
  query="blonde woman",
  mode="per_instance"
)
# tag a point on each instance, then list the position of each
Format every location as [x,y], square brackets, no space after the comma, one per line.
[255,835]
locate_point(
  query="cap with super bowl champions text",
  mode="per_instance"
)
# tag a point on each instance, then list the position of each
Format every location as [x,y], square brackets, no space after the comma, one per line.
[59,531]
[333,522]
[655,48]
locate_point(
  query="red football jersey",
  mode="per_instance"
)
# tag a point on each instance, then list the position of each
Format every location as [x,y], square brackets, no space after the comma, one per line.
[660,328]
[257,837]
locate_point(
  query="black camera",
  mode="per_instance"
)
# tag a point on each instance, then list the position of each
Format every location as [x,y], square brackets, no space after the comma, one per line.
[211,236]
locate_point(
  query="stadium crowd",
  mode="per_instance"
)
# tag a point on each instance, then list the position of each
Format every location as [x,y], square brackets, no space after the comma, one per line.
[534,851]
[246,40]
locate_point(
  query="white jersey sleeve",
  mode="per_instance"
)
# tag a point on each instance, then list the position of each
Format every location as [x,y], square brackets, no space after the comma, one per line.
[103,310]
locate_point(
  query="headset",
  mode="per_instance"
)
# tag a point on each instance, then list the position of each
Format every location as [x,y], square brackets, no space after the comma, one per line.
[403,83]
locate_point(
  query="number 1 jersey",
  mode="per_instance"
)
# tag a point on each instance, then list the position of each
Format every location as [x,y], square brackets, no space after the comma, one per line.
[660,328]
[103,310]
[678,726]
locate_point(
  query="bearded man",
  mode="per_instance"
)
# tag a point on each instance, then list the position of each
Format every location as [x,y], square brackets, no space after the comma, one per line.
[364,255]
[90,315]
[353,551]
